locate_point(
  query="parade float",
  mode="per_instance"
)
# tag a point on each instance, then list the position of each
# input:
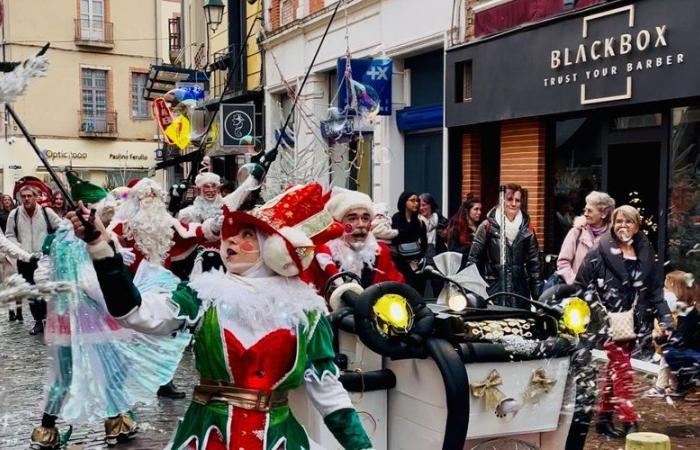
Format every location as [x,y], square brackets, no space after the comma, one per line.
[456,373]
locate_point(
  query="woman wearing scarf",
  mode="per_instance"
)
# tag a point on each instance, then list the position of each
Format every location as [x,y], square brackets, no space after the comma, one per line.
[585,234]
[522,265]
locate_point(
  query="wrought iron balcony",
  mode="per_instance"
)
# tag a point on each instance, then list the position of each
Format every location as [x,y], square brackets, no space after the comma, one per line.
[98,124]
[91,33]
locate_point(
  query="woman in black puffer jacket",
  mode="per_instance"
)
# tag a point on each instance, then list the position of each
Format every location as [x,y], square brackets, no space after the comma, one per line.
[620,271]
[522,268]
[411,230]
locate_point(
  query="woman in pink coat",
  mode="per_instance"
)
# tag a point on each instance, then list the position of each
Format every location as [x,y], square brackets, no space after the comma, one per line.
[585,234]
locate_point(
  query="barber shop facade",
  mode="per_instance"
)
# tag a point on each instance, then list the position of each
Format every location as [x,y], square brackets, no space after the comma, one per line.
[605,98]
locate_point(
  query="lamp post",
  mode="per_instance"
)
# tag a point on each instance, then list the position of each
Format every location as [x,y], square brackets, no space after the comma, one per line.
[213,15]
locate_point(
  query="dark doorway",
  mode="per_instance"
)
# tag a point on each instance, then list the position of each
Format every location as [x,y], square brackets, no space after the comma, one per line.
[423,163]
[634,177]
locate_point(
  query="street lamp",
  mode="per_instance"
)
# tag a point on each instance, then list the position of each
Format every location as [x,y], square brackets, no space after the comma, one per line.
[213,13]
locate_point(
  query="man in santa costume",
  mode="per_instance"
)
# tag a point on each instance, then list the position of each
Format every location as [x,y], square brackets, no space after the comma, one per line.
[144,225]
[260,331]
[208,202]
[357,251]
[146,228]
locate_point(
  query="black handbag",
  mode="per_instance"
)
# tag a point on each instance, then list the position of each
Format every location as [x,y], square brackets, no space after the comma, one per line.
[410,250]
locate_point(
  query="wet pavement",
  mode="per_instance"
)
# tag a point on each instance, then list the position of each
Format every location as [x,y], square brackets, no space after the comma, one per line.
[23,365]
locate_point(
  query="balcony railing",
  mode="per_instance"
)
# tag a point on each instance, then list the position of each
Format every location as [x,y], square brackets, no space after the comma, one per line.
[94,124]
[94,33]
[222,62]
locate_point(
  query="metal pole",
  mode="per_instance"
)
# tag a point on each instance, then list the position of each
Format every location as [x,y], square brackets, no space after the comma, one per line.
[502,243]
[32,142]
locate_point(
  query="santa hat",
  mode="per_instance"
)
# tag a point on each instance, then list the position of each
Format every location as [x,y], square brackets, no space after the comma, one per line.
[207,178]
[132,182]
[142,186]
[39,187]
[84,191]
[291,221]
[346,200]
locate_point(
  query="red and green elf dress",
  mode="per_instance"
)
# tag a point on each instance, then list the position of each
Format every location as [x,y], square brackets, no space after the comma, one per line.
[256,337]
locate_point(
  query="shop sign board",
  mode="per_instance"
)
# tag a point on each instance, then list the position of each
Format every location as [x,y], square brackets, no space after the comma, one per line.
[639,52]
[373,73]
[237,122]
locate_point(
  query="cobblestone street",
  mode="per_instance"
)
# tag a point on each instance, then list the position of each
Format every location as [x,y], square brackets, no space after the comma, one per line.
[23,365]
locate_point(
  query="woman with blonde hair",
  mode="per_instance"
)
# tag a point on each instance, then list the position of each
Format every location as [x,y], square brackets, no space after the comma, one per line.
[585,235]
[620,275]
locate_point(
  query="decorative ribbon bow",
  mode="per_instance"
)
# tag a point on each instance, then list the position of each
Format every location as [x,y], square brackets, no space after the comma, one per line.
[539,385]
[489,390]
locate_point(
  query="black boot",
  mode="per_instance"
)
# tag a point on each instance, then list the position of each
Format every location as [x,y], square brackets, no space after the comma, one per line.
[630,427]
[19,315]
[13,317]
[170,391]
[605,426]
[38,328]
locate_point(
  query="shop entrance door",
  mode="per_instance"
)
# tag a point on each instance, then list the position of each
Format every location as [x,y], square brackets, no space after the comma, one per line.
[633,178]
[635,168]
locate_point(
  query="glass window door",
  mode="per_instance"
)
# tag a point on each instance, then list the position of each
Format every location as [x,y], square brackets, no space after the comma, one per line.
[94,87]
[92,20]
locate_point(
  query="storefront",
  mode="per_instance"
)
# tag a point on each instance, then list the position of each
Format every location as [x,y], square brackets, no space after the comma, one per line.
[605,98]
[105,163]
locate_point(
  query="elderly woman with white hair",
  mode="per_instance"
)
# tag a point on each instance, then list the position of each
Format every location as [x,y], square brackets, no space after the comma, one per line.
[585,234]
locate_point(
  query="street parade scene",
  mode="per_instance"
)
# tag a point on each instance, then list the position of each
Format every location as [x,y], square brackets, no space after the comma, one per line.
[350,224]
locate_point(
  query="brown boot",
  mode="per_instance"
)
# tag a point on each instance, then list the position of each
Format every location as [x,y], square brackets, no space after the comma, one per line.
[119,429]
[44,438]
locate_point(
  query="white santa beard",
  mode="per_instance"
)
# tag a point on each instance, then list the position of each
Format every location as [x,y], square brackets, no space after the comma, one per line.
[351,258]
[207,209]
[151,228]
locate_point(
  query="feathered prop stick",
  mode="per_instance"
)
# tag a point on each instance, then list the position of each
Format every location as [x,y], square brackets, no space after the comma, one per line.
[13,84]
[15,287]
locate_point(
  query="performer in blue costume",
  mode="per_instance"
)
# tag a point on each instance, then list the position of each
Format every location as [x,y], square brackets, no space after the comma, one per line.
[99,369]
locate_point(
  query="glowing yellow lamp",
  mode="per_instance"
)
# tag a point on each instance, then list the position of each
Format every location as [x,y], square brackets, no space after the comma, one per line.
[576,315]
[393,315]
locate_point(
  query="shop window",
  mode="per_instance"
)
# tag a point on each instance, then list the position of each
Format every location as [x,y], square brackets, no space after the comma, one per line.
[684,191]
[463,81]
[640,121]
[577,168]
[139,105]
[122,177]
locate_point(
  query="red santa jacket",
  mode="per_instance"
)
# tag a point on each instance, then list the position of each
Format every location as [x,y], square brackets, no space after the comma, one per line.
[326,264]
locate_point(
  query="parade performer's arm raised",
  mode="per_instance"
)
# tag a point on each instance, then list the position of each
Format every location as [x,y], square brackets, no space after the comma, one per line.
[260,331]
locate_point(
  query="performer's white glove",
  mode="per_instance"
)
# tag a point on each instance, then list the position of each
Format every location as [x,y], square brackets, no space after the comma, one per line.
[128,256]
[336,300]
[213,225]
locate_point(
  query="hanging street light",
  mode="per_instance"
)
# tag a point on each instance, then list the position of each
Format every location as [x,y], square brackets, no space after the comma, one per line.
[213,13]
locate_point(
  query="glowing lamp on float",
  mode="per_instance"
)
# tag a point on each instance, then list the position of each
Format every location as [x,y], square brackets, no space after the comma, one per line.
[393,315]
[576,315]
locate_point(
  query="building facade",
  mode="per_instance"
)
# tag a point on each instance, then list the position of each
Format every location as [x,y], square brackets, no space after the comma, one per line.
[397,151]
[581,96]
[88,112]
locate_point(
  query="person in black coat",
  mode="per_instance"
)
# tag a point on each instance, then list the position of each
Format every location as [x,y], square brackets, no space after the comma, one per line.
[411,231]
[522,268]
[618,275]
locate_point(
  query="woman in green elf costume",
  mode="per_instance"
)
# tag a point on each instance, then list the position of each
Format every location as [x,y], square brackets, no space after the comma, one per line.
[260,331]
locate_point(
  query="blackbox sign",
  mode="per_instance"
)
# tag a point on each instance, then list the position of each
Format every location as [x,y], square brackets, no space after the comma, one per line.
[637,52]
[237,122]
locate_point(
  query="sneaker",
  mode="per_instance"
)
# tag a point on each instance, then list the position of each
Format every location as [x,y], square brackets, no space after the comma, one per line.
[37,329]
[655,392]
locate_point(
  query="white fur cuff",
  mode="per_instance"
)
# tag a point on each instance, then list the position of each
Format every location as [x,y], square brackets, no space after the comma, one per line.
[101,250]
[336,297]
